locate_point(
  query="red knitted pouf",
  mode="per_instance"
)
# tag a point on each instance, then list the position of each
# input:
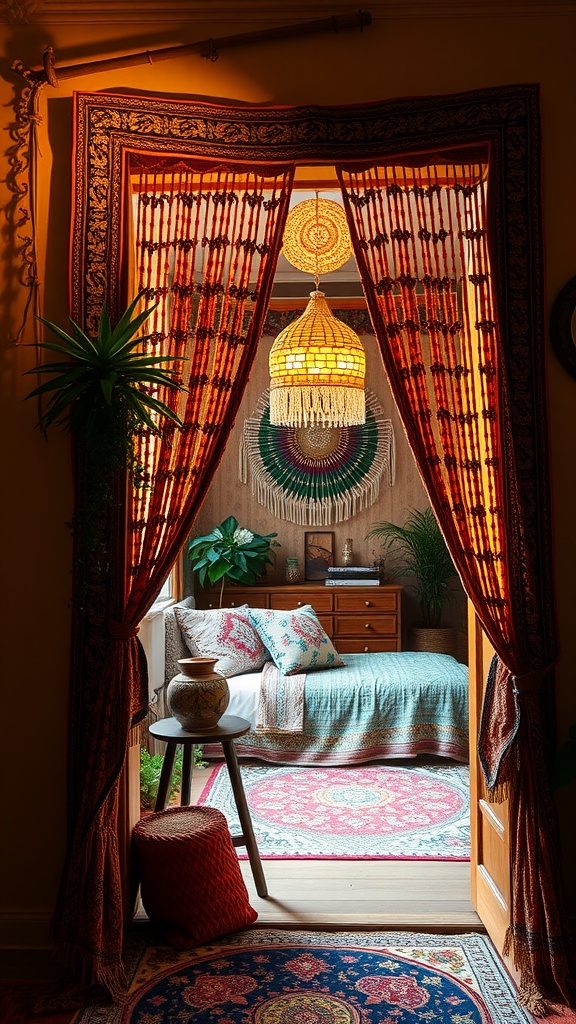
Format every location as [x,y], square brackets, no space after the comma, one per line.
[191,884]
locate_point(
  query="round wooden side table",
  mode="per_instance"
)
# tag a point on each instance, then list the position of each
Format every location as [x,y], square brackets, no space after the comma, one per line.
[228,729]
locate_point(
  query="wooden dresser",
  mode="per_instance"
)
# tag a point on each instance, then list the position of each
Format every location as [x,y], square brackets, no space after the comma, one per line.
[356,618]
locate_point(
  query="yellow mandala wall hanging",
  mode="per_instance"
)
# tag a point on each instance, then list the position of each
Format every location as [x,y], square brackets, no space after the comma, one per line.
[316,237]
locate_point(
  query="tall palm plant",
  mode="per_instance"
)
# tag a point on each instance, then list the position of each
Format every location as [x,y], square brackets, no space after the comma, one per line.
[419,550]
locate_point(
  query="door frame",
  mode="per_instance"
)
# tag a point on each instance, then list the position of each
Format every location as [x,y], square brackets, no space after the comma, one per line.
[490,856]
[109,125]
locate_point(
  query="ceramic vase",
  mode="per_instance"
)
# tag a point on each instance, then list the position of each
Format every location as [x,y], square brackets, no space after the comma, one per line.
[293,573]
[198,696]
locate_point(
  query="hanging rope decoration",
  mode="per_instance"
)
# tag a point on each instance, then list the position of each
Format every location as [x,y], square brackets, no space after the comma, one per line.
[317,475]
[317,363]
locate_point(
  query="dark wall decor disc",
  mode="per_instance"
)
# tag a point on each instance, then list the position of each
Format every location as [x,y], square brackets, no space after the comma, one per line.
[563,326]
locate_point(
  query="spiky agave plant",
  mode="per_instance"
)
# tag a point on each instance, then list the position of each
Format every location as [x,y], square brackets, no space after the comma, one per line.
[103,376]
[99,392]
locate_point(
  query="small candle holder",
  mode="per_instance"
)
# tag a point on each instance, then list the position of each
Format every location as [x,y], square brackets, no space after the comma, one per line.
[347,552]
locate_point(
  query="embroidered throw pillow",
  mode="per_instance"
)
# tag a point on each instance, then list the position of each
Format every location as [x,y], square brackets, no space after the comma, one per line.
[296,640]
[226,634]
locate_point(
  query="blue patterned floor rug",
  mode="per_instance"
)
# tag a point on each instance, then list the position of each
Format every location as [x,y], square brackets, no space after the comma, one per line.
[272,976]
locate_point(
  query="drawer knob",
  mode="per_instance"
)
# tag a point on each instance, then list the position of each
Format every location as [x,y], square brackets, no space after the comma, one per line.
[366,625]
[367,603]
[299,604]
[209,605]
[366,650]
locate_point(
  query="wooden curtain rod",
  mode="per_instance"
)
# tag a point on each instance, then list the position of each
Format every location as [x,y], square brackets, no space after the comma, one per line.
[208,48]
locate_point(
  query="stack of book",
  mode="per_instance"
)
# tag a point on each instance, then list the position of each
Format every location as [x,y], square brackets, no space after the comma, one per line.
[352,576]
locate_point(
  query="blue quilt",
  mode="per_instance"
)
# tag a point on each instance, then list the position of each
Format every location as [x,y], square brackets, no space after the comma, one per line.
[379,705]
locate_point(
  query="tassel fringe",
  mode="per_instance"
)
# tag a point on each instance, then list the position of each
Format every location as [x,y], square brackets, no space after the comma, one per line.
[309,406]
[529,995]
[284,498]
[499,793]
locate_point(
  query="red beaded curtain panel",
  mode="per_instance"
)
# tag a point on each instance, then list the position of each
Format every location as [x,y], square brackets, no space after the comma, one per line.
[206,240]
[420,231]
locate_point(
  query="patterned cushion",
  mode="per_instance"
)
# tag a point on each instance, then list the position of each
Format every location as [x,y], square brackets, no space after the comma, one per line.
[226,634]
[296,640]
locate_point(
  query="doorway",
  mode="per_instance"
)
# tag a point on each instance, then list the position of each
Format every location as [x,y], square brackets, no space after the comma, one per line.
[354,134]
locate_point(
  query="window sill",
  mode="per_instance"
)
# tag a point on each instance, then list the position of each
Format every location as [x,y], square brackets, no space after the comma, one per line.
[158,608]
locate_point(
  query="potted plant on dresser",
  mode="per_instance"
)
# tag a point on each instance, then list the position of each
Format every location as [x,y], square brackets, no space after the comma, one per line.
[230,553]
[418,550]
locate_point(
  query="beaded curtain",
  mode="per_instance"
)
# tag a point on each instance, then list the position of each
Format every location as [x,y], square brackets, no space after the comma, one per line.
[207,242]
[425,264]
[420,235]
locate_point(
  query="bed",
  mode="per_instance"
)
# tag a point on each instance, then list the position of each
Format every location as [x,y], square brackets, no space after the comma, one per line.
[374,706]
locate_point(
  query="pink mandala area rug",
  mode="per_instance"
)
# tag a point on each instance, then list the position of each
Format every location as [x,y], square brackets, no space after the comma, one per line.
[275,977]
[369,811]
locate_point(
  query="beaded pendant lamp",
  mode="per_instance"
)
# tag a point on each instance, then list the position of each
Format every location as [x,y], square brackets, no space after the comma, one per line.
[317,363]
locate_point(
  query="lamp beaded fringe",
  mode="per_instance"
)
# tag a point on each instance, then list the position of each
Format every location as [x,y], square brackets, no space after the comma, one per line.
[310,405]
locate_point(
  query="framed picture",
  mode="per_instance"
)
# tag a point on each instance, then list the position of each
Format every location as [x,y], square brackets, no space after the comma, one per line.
[318,554]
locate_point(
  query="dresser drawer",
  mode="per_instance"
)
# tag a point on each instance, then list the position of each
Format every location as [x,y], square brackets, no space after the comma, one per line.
[327,623]
[366,625]
[321,602]
[381,601]
[364,646]
[358,619]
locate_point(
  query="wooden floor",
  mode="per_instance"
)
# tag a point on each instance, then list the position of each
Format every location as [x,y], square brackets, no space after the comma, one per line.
[426,895]
[329,894]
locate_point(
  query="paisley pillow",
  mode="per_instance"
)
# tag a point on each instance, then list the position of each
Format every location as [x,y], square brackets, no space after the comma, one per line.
[223,633]
[296,640]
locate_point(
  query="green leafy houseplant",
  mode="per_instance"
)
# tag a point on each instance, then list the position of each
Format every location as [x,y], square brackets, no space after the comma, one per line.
[419,550]
[150,769]
[230,552]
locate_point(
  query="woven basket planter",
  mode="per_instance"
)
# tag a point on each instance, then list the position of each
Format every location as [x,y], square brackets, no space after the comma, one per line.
[435,641]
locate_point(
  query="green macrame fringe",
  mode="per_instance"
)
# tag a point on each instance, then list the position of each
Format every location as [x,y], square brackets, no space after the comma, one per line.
[304,508]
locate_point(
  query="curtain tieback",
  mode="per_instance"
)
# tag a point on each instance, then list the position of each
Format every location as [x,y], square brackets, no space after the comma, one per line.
[122,632]
[531,681]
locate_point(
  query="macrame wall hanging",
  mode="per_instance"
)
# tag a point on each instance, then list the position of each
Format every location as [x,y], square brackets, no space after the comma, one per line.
[317,476]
